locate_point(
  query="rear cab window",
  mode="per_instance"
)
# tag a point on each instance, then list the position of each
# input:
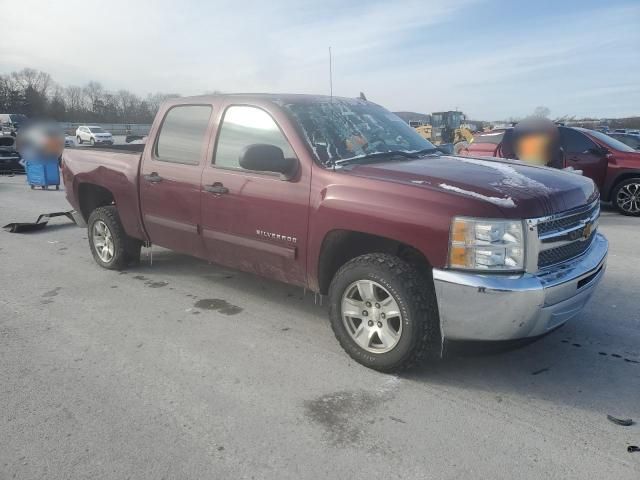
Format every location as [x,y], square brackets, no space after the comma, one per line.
[243,126]
[183,134]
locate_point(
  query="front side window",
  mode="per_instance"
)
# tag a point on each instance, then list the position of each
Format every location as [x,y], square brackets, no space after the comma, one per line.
[243,126]
[575,142]
[183,134]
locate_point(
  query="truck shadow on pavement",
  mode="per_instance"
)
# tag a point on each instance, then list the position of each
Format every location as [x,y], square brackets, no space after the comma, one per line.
[583,364]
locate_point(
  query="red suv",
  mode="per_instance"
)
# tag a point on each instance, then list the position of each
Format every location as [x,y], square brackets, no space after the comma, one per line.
[613,166]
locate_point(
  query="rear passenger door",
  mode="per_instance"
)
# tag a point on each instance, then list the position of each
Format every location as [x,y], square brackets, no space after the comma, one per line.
[584,154]
[170,179]
[254,221]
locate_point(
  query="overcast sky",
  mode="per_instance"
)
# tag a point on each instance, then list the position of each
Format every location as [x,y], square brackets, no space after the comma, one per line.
[492,59]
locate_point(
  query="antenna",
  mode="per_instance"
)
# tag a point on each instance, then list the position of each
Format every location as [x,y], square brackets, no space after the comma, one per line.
[330,75]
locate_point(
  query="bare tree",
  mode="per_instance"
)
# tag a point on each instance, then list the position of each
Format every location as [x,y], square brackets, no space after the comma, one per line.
[128,104]
[155,100]
[75,98]
[541,112]
[34,80]
[94,93]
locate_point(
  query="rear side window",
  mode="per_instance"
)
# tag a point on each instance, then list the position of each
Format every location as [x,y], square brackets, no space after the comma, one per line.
[183,134]
[629,140]
[243,126]
[573,141]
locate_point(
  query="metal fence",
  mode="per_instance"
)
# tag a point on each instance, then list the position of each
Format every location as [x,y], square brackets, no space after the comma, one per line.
[113,128]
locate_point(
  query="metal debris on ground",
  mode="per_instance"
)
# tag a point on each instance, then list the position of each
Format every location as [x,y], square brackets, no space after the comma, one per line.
[625,422]
[40,223]
[633,448]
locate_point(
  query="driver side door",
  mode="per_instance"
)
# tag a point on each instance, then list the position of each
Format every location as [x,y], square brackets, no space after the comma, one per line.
[254,221]
[584,154]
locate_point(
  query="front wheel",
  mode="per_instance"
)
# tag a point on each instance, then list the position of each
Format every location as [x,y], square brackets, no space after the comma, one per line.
[79,140]
[111,247]
[92,141]
[626,197]
[384,312]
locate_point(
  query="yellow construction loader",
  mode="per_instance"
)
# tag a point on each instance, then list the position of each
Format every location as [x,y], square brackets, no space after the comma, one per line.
[462,136]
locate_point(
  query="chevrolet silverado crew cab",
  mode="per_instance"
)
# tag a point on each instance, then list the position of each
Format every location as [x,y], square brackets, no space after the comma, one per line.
[412,248]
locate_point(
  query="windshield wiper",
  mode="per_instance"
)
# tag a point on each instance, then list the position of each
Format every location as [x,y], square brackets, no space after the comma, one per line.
[426,151]
[376,155]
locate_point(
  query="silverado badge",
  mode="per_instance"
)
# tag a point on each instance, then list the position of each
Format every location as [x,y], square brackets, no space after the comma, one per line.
[276,236]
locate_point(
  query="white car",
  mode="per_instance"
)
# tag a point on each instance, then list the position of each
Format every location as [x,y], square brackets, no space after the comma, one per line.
[94,135]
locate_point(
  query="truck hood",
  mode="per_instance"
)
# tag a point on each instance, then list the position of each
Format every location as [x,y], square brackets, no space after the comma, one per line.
[517,189]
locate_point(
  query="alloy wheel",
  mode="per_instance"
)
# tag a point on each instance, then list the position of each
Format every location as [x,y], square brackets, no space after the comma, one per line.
[371,316]
[628,198]
[103,241]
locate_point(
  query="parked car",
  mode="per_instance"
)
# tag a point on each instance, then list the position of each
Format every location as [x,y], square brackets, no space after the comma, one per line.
[94,135]
[414,249]
[68,141]
[9,156]
[10,123]
[630,139]
[613,166]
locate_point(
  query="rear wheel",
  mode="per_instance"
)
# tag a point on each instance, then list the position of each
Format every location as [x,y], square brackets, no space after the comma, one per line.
[384,313]
[79,140]
[626,197]
[111,247]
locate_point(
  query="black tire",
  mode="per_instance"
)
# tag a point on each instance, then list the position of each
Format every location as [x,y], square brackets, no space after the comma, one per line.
[126,249]
[79,140]
[415,295]
[92,141]
[626,209]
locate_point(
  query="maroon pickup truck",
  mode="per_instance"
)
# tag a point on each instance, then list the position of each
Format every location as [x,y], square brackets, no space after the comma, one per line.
[413,248]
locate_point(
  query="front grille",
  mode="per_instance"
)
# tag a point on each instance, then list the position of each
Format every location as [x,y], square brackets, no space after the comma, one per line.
[563,238]
[566,252]
[565,223]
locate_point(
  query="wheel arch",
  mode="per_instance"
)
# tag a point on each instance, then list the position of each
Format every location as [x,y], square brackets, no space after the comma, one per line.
[92,196]
[621,177]
[339,246]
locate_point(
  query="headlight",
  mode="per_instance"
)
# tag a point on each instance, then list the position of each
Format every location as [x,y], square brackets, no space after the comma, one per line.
[478,244]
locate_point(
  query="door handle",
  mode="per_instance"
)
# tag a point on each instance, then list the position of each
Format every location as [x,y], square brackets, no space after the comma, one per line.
[216,188]
[153,177]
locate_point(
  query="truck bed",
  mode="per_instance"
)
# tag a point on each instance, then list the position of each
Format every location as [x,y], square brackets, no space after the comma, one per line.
[113,168]
[125,147]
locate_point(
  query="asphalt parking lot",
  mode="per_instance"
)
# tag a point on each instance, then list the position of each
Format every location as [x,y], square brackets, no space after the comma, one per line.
[181,369]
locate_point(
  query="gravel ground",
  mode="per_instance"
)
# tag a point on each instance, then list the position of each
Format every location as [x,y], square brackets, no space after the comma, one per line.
[183,369]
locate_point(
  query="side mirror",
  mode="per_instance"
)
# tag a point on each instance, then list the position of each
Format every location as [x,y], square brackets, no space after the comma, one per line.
[263,157]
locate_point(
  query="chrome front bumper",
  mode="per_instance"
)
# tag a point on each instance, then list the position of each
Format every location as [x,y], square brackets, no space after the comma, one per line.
[507,307]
